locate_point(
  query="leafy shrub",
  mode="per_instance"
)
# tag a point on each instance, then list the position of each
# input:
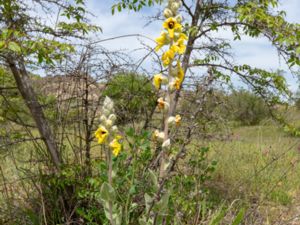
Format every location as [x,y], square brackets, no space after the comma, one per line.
[133,95]
[247,108]
[72,195]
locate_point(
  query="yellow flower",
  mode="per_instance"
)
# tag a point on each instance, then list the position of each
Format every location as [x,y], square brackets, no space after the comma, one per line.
[182,36]
[162,104]
[116,146]
[177,83]
[179,46]
[101,134]
[161,41]
[168,56]
[172,25]
[157,135]
[158,79]
[165,59]
[177,119]
[180,72]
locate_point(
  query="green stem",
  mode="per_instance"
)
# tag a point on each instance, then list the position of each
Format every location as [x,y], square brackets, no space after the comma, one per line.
[109,159]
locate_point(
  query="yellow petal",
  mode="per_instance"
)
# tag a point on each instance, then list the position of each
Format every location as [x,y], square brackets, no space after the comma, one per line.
[162,105]
[168,56]
[171,33]
[157,48]
[180,73]
[177,83]
[177,119]
[157,135]
[101,134]
[118,137]
[166,62]
[178,27]
[179,46]
[161,41]
[157,79]
[183,36]
[115,146]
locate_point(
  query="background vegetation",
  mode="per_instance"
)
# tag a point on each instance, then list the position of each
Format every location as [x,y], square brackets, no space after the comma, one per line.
[234,158]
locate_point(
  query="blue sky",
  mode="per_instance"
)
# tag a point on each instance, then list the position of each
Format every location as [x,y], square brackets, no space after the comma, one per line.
[256,52]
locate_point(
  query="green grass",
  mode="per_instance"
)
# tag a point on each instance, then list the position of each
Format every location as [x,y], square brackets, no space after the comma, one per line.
[258,165]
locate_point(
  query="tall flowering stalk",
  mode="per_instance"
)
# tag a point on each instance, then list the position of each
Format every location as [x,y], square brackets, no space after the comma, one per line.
[108,131]
[173,37]
[108,135]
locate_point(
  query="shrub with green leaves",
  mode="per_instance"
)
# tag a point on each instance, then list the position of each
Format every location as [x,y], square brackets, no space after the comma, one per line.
[134,97]
[248,108]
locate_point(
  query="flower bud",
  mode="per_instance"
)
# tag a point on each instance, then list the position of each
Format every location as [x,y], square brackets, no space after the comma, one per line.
[170,2]
[171,120]
[177,120]
[178,18]
[106,112]
[173,71]
[108,104]
[114,129]
[158,80]
[179,2]
[108,123]
[103,118]
[112,117]
[174,7]
[168,13]
[158,135]
[166,144]
[174,84]
[163,105]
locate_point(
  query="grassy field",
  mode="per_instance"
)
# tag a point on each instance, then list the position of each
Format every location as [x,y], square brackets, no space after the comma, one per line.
[259,166]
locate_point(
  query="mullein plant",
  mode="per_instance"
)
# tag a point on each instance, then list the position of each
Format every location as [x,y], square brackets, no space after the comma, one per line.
[173,37]
[108,132]
[109,137]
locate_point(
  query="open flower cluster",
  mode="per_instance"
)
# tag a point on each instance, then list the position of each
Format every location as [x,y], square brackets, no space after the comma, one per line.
[173,37]
[107,131]
[172,34]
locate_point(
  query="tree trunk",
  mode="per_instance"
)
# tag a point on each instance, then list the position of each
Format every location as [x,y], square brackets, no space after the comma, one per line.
[24,86]
[189,49]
